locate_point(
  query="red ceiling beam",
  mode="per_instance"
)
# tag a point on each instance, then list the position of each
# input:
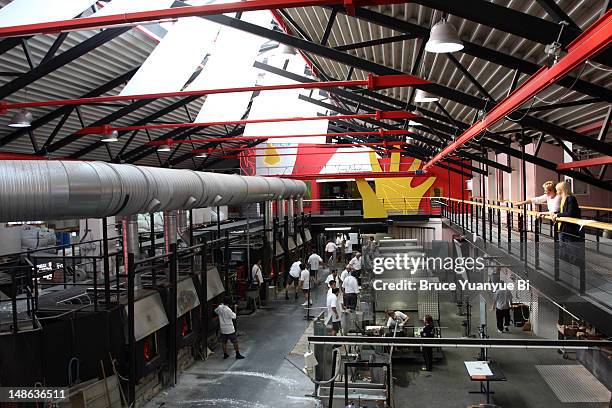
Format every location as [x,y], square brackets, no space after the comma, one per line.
[379,115]
[234,156]
[379,132]
[354,175]
[317,145]
[141,17]
[372,82]
[596,161]
[591,127]
[591,42]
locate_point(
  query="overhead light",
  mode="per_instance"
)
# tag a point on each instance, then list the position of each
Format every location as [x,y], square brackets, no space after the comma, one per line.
[409,140]
[443,38]
[337,228]
[21,119]
[164,148]
[285,49]
[422,96]
[110,137]
[413,123]
[202,155]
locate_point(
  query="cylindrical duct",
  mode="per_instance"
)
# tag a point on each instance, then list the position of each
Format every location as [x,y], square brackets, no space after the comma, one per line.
[269,215]
[291,214]
[300,205]
[43,190]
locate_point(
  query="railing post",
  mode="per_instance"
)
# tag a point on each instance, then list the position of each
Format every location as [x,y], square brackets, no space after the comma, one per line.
[490,224]
[498,226]
[557,251]
[520,220]
[536,238]
[509,228]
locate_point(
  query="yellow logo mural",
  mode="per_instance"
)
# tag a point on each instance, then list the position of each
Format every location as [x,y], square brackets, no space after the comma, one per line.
[271,155]
[394,195]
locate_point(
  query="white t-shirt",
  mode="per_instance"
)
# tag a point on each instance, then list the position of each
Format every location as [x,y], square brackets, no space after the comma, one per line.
[332,301]
[355,263]
[256,273]
[330,247]
[338,241]
[553,204]
[502,299]
[226,317]
[313,261]
[295,269]
[399,317]
[343,275]
[350,285]
[348,246]
[330,278]
[305,279]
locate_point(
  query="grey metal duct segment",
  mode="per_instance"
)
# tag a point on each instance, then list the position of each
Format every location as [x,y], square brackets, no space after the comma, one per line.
[41,190]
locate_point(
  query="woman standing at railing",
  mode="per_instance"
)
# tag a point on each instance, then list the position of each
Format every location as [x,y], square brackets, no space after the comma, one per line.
[569,233]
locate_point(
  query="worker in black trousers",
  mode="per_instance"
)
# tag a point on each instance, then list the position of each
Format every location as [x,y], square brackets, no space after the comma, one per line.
[428,331]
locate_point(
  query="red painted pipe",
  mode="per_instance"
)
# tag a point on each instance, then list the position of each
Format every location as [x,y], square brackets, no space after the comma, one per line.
[234,156]
[592,41]
[596,161]
[106,129]
[380,132]
[88,23]
[373,82]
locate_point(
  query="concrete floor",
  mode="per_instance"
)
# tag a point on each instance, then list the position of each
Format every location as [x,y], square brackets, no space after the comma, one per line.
[268,379]
[265,378]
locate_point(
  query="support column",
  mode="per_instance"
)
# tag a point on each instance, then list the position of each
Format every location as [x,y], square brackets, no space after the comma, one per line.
[291,215]
[170,237]
[130,246]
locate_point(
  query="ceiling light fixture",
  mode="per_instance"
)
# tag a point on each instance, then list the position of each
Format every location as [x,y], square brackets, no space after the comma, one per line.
[443,38]
[422,96]
[202,155]
[110,137]
[164,148]
[21,119]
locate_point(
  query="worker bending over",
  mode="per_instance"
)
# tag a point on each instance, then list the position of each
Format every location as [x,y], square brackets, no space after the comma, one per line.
[293,277]
[396,319]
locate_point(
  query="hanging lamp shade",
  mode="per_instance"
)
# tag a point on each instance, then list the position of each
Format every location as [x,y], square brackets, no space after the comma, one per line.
[422,96]
[110,137]
[443,38]
[21,119]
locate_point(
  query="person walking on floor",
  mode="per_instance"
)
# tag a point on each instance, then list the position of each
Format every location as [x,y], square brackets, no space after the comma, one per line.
[305,284]
[293,278]
[334,309]
[330,252]
[502,302]
[428,331]
[226,327]
[314,261]
[350,287]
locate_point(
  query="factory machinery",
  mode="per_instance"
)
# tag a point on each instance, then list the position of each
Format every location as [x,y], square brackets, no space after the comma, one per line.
[133,308]
[362,375]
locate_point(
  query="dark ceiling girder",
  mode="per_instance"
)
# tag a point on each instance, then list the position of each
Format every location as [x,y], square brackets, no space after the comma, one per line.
[156,115]
[557,13]
[328,28]
[484,53]
[61,60]
[379,41]
[510,21]
[43,120]
[469,76]
[103,121]
[502,148]
[564,105]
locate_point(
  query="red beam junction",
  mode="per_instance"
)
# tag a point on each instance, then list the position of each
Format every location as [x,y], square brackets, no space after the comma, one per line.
[596,161]
[353,175]
[135,18]
[592,41]
[373,82]
[379,115]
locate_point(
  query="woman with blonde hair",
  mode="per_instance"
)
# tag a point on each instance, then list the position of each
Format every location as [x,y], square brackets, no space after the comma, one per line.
[568,232]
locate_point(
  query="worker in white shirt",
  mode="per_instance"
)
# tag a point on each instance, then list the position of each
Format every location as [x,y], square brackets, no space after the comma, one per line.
[348,249]
[334,309]
[332,277]
[552,200]
[330,252]
[340,247]
[256,274]
[396,318]
[355,264]
[305,284]
[314,261]
[350,287]
[226,327]
[345,273]
[293,278]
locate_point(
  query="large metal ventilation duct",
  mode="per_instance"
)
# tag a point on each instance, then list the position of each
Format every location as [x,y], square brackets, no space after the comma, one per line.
[41,190]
